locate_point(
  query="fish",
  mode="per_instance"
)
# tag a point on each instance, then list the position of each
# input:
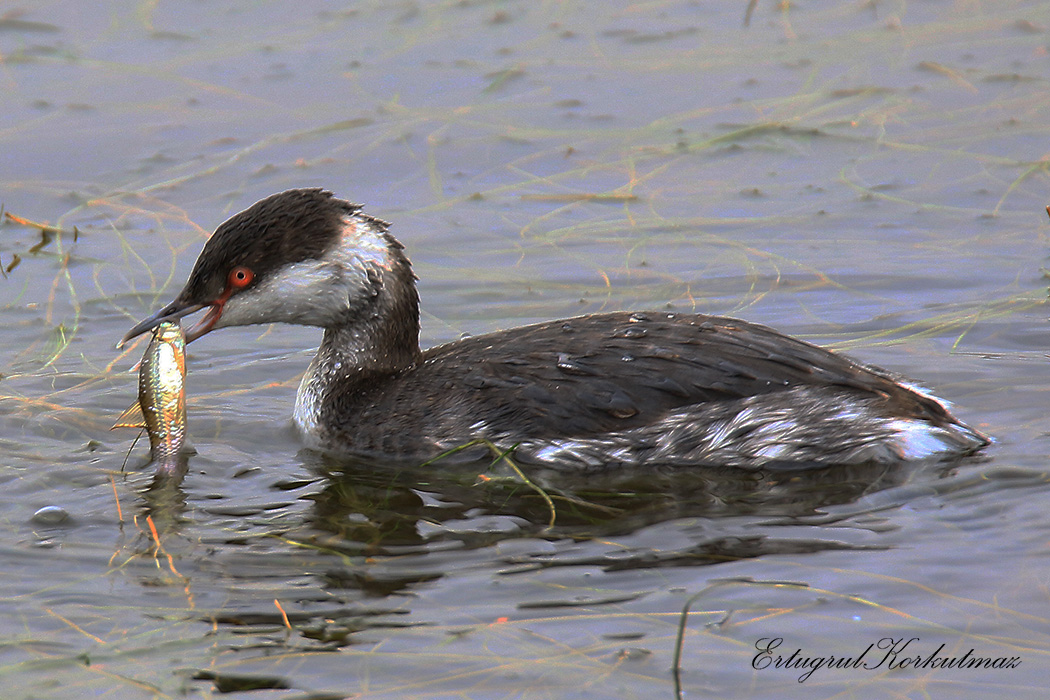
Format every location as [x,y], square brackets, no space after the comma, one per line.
[161,405]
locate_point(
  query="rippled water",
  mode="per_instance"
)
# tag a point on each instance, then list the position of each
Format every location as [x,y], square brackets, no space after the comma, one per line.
[867,176]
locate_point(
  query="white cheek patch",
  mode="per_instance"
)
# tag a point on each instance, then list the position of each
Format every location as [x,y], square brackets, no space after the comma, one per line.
[310,293]
[317,292]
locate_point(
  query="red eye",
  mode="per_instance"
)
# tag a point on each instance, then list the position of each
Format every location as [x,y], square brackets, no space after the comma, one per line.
[240,277]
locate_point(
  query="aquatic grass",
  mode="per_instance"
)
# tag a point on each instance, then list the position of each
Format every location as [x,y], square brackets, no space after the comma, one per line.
[957,322]
[809,106]
[814,112]
[815,597]
[571,202]
[553,648]
[504,456]
[62,334]
[676,663]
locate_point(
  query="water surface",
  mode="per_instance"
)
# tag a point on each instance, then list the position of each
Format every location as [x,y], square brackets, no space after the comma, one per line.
[866,176]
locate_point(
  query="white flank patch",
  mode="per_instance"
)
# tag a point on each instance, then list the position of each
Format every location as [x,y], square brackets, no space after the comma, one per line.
[917,439]
[549,453]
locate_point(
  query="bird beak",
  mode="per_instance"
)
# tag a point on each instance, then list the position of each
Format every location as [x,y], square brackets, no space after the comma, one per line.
[173,312]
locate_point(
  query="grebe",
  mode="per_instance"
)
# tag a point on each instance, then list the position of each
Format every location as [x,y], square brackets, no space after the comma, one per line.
[585,393]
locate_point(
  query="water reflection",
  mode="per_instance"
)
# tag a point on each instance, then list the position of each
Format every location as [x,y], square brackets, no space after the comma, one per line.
[377,511]
[164,499]
[360,533]
[382,511]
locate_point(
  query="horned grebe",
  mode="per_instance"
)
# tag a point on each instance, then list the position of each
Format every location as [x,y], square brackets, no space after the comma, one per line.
[583,393]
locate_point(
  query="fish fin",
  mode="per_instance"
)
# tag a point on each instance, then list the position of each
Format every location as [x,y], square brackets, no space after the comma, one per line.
[132,417]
